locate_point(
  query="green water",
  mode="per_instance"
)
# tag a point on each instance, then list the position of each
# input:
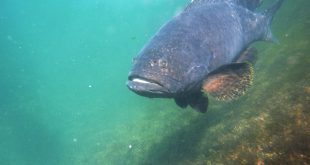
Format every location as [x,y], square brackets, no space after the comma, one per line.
[63,99]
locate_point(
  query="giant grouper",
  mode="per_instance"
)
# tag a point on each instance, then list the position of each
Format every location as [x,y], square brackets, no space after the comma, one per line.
[203,51]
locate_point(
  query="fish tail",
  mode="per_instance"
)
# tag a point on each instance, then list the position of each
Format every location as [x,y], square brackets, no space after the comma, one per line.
[269,15]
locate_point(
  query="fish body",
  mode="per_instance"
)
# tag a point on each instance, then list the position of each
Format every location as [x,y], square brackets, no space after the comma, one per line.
[206,41]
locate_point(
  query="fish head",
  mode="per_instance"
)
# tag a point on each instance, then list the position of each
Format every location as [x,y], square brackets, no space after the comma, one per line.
[164,71]
[152,76]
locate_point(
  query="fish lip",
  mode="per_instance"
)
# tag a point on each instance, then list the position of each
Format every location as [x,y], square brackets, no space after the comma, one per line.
[146,87]
[141,79]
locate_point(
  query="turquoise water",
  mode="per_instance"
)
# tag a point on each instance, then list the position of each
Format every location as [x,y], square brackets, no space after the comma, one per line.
[63,100]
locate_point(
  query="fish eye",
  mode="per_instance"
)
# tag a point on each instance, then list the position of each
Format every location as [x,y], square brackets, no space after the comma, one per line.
[163,64]
[153,62]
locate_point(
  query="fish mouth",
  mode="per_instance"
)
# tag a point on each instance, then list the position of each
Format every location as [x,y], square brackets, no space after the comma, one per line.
[146,87]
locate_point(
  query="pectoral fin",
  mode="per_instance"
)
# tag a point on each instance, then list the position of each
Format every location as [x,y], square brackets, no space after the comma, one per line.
[229,81]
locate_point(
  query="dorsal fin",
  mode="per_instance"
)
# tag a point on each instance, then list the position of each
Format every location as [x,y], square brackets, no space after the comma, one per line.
[249,4]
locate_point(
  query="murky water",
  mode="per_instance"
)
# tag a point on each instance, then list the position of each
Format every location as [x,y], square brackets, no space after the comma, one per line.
[63,100]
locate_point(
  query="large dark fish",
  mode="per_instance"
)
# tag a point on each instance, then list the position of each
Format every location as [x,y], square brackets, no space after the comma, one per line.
[203,50]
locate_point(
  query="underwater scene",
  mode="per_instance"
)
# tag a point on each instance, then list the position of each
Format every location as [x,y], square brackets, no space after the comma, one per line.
[64,99]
